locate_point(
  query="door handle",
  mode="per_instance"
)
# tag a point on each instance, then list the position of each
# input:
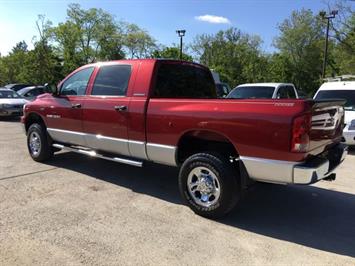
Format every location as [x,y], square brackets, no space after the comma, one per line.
[120,108]
[76,105]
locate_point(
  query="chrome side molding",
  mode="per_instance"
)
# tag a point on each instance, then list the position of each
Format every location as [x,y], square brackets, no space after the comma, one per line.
[96,155]
[164,154]
[71,137]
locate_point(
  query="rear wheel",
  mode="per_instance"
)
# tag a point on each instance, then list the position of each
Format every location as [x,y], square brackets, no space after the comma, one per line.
[209,184]
[38,143]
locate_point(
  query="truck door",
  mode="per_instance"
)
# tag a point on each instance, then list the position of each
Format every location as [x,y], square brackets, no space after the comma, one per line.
[106,110]
[64,115]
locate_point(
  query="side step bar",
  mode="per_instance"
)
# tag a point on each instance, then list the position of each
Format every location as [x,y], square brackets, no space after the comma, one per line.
[96,155]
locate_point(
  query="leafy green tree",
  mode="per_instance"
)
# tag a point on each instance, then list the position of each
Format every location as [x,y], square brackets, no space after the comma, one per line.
[138,42]
[343,31]
[67,38]
[236,56]
[42,66]
[13,68]
[279,68]
[42,62]
[37,66]
[93,27]
[88,36]
[300,45]
[171,53]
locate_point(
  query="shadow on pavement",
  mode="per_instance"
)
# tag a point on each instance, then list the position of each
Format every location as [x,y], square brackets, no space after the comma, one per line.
[155,180]
[305,215]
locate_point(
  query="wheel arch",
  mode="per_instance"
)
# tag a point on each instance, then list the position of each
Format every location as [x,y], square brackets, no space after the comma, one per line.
[33,117]
[194,141]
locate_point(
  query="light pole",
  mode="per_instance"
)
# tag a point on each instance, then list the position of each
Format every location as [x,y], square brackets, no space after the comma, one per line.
[181,34]
[330,16]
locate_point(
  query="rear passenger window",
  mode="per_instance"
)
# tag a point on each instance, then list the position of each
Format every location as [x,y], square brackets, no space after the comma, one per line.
[286,92]
[184,81]
[112,80]
[291,92]
[282,93]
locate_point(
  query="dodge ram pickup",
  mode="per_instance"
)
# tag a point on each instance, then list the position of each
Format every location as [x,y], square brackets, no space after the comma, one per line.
[166,111]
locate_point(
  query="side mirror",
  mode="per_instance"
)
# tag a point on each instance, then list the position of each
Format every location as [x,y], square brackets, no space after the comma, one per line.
[51,88]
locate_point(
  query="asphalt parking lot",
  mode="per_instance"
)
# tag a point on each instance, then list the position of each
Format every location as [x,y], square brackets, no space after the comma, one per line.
[75,210]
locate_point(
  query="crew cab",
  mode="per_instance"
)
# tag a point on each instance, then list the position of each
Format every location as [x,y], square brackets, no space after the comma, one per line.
[166,111]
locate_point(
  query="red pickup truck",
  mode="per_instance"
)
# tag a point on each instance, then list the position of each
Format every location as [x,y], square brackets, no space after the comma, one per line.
[166,111]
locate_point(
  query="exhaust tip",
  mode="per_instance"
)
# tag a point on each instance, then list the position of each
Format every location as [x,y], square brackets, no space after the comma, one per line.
[331,177]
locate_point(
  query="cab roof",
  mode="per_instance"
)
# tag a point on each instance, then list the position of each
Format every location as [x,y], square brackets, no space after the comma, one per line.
[127,61]
[266,84]
[338,85]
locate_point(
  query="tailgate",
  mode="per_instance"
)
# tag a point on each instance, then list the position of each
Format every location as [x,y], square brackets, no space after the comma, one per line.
[327,124]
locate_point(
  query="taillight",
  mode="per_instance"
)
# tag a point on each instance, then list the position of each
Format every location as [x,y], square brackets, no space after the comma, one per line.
[301,130]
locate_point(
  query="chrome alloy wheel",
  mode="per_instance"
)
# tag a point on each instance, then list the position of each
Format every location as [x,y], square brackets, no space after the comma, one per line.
[35,143]
[203,186]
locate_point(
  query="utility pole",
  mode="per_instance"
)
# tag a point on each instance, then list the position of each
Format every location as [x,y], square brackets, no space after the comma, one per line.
[330,16]
[181,34]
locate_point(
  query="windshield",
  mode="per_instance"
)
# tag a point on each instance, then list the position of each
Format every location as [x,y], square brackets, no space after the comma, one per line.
[9,95]
[23,91]
[348,95]
[250,92]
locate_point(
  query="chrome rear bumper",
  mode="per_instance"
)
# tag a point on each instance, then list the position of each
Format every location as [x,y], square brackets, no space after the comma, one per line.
[286,172]
[319,168]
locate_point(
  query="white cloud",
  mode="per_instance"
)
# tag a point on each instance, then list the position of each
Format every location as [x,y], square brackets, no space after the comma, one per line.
[213,19]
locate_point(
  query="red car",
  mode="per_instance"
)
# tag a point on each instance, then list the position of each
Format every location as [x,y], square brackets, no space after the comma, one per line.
[165,111]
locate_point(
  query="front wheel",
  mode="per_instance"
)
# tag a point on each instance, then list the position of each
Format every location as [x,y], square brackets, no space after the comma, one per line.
[38,144]
[209,184]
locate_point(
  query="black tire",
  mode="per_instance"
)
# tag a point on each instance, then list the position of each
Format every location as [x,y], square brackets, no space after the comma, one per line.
[45,150]
[228,182]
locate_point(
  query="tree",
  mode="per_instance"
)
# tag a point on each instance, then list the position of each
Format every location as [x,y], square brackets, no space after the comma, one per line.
[171,53]
[37,66]
[88,36]
[13,65]
[343,32]
[67,38]
[20,47]
[345,50]
[279,68]
[300,45]
[138,42]
[44,66]
[236,56]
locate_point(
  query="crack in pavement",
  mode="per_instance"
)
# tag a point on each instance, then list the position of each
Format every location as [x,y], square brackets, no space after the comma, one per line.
[31,173]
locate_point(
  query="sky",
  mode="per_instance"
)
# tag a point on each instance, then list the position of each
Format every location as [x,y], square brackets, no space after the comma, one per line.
[161,18]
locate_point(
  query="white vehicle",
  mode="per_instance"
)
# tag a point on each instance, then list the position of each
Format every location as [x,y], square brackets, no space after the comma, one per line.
[342,90]
[11,103]
[264,91]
